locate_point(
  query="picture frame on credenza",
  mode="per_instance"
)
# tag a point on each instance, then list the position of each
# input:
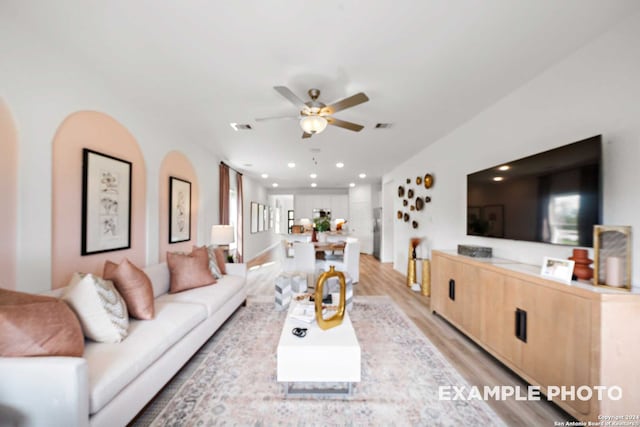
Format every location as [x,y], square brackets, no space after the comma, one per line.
[557,268]
[612,256]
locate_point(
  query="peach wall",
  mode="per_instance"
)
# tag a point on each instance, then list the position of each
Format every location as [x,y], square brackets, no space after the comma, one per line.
[102,133]
[8,190]
[177,165]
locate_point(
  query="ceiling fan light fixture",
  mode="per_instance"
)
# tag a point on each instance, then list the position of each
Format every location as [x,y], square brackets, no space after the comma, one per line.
[313,124]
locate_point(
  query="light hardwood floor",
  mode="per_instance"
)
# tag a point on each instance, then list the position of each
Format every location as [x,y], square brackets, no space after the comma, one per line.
[474,364]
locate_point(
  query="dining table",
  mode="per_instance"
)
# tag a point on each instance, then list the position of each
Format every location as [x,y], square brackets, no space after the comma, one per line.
[323,247]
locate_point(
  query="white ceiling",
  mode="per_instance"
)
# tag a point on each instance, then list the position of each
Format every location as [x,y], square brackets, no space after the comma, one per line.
[427,66]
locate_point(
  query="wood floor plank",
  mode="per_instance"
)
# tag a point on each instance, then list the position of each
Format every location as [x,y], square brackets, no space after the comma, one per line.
[477,366]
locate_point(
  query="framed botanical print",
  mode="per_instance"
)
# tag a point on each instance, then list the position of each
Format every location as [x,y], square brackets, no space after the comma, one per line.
[260,217]
[106,203]
[254,217]
[179,210]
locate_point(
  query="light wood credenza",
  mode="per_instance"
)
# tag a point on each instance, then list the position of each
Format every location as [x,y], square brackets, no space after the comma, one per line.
[548,332]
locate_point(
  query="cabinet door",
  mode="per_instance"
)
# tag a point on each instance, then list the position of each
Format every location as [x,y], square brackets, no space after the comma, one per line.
[558,349]
[445,292]
[497,329]
[469,297]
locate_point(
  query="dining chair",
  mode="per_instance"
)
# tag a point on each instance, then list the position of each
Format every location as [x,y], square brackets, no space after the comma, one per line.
[287,261]
[350,263]
[304,257]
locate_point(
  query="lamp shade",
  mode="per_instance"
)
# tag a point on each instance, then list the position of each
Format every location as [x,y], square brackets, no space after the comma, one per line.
[222,234]
[313,124]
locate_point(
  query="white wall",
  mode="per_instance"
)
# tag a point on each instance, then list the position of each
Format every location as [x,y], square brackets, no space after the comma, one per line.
[283,202]
[256,243]
[361,215]
[594,91]
[42,86]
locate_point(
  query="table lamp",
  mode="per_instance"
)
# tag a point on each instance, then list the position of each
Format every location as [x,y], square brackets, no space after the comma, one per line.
[222,236]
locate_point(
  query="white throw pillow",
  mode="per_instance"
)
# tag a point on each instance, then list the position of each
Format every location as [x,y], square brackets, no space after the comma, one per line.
[213,264]
[100,308]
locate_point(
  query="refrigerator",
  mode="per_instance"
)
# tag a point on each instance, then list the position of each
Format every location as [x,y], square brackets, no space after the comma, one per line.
[377,231]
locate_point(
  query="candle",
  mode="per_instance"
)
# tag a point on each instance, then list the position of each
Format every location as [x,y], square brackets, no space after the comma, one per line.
[613,271]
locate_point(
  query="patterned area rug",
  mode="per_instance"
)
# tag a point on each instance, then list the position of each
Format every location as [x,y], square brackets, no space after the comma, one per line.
[232,379]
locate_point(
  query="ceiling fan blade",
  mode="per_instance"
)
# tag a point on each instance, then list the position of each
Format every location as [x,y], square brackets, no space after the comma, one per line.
[292,97]
[306,135]
[349,102]
[346,125]
[262,119]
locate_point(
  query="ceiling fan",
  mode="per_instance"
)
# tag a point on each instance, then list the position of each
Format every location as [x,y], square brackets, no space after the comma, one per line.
[314,115]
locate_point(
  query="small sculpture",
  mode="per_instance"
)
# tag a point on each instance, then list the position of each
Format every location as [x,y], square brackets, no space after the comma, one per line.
[336,319]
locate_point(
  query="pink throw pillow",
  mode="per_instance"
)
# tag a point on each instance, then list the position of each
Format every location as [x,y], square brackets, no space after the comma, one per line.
[189,271]
[37,325]
[220,260]
[134,286]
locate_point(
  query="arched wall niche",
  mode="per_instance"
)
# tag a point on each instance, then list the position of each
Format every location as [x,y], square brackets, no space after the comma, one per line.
[8,190]
[102,133]
[177,165]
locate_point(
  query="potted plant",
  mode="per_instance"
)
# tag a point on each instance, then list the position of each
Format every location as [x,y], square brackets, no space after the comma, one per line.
[322,223]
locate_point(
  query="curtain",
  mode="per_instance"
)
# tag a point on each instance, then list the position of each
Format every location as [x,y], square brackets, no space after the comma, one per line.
[239,222]
[224,194]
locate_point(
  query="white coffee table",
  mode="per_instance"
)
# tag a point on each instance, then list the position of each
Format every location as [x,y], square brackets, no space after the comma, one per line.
[331,356]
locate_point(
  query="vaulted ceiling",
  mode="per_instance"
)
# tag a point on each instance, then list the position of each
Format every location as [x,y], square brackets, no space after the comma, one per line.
[427,66]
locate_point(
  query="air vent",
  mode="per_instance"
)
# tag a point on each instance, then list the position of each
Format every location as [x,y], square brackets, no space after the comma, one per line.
[240,126]
[383,125]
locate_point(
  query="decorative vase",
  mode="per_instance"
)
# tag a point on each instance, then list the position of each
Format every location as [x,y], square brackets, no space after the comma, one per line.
[337,318]
[314,236]
[582,262]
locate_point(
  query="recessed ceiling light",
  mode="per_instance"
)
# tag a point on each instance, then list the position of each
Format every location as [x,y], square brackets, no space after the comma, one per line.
[352,184]
[363,175]
[274,185]
[291,165]
[498,178]
[264,175]
[339,165]
[314,185]
[504,168]
[313,176]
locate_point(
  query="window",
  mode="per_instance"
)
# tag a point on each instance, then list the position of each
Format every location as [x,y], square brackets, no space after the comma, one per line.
[233,217]
[290,218]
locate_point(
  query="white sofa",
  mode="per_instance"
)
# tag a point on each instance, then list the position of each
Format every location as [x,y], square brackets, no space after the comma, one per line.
[111,383]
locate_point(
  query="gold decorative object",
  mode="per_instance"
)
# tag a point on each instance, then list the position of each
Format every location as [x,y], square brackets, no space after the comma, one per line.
[400,191]
[412,208]
[336,319]
[612,256]
[406,217]
[418,180]
[414,224]
[408,180]
[419,203]
[428,181]
[405,202]
[426,277]
[399,214]
[411,267]
[410,193]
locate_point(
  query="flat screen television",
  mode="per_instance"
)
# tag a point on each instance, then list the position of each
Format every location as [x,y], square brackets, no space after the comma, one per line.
[551,197]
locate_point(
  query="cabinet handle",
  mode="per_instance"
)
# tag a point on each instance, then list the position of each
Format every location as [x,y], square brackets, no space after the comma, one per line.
[521,325]
[452,289]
